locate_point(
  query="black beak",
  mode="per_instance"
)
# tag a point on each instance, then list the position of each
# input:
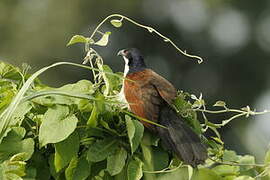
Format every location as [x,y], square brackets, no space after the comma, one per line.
[121,53]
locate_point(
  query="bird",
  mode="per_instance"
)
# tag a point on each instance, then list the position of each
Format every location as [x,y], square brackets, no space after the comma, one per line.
[150,96]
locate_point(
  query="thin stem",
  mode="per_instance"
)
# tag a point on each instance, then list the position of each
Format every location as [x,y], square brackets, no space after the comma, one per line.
[151,30]
[219,111]
[166,170]
[145,120]
[238,164]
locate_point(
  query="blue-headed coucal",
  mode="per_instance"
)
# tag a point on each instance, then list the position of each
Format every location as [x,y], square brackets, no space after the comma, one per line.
[150,96]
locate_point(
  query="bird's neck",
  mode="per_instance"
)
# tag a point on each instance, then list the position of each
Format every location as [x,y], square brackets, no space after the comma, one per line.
[134,67]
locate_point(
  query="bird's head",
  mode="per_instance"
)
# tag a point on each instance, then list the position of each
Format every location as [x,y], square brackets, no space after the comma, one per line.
[133,59]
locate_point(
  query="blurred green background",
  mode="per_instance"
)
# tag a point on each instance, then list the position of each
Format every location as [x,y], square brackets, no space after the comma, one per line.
[233,37]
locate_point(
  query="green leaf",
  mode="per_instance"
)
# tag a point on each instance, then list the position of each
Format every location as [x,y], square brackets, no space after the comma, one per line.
[40,163]
[100,150]
[92,121]
[66,150]
[7,71]
[14,143]
[244,178]
[13,169]
[206,174]
[6,115]
[135,132]
[184,108]
[31,173]
[154,158]
[53,172]
[226,170]
[69,172]
[98,108]
[160,158]
[134,170]
[247,159]
[85,106]
[116,23]
[116,161]
[230,156]
[77,39]
[111,81]
[267,157]
[220,104]
[57,124]
[104,39]
[19,113]
[8,89]
[82,87]
[82,170]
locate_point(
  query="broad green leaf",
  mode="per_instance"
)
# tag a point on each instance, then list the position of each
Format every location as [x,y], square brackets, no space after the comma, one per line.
[6,115]
[19,113]
[82,87]
[154,158]
[13,169]
[267,157]
[66,150]
[110,80]
[226,170]
[134,170]
[177,174]
[184,108]
[229,178]
[247,159]
[70,170]
[7,71]
[116,23]
[160,158]
[57,124]
[14,143]
[83,169]
[97,168]
[150,139]
[122,175]
[53,172]
[135,132]
[116,161]
[100,150]
[104,39]
[40,163]
[92,121]
[244,178]
[8,90]
[31,173]
[206,174]
[148,160]
[77,39]
[85,106]
[103,175]
[98,108]
[230,156]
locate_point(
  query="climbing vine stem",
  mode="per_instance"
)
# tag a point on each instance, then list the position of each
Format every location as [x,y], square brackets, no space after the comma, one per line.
[150,29]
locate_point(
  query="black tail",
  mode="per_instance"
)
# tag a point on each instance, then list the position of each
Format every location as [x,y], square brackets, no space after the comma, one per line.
[180,138]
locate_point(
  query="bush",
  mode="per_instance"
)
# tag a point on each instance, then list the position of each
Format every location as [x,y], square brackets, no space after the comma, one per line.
[84,131]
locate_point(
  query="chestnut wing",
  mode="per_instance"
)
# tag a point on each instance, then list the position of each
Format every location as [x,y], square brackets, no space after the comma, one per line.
[165,89]
[157,92]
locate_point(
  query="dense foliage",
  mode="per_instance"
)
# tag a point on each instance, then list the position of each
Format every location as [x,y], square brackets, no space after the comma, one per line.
[84,131]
